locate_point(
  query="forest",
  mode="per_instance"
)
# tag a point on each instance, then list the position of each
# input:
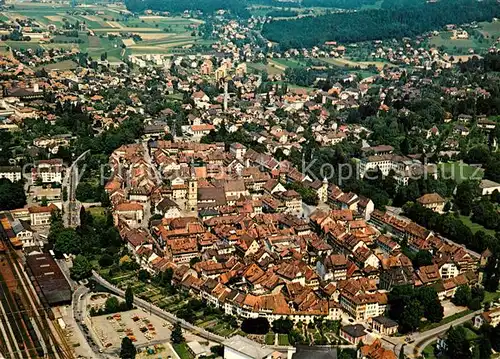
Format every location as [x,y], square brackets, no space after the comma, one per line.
[377,24]
[236,7]
[239,7]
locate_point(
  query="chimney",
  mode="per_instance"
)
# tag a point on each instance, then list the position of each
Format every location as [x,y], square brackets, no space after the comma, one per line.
[36,88]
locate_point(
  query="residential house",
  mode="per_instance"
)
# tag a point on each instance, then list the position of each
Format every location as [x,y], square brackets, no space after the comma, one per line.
[40,215]
[12,173]
[131,212]
[432,201]
[48,171]
[375,351]
[354,334]
[384,325]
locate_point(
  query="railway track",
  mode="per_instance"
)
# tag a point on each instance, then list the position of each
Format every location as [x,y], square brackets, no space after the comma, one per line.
[26,318]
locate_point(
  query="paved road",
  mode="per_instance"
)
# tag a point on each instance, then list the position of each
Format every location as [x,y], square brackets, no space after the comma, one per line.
[429,336]
[71,213]
[170,317]
[78,310]
[160,312]
[421,340]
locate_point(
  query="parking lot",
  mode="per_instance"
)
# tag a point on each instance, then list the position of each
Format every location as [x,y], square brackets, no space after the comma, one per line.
[139,326]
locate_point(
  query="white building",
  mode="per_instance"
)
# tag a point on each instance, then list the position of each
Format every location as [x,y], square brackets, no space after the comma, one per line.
[404,168]
[12,173]
[487,187]
[238,347]
[49,171]
[24,233]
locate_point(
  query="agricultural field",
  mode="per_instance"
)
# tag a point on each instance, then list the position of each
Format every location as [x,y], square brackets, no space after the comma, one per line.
[455,46]
[62,65]
[157,34]
[490,29]
[271,68]
[346,62]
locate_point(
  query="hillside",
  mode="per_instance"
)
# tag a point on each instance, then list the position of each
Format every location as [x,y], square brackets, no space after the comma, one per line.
[378,24]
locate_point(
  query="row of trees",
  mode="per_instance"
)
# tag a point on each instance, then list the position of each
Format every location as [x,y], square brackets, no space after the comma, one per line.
[450,226]
[377,24]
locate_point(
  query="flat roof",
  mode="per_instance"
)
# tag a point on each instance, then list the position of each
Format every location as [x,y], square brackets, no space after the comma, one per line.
[247,347]
[49,277]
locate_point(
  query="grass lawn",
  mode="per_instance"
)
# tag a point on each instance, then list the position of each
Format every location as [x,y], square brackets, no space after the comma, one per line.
[491,296]
[459,172]
[347,63]
[428,326]
[490,29]
[270,68]
[288,63]
[62,65]
[474,227]
[428,352]
[98,212]
[182,351]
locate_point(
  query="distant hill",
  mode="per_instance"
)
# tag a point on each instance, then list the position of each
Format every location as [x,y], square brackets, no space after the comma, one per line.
[386,23]
[237,7]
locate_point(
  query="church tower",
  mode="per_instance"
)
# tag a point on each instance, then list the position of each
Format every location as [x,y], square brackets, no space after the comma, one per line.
[323,192]
[192,200]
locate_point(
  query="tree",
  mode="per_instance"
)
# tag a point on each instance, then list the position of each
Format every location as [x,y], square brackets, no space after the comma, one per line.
[12,195]
[67,241]
[176,337]
[399,297]
[127,350]
[422,258]
[484,347]
[457,345]
[491,274]
[255,325]
[129,297]
[462,296]
[143,275]
[282,326]
[410,318]
[217,350]
[106,260]
[467,191]
[112,305]
[402,352]
[82,268]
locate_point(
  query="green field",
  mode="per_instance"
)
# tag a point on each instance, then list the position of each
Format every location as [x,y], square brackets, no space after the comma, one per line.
[160,35]
[270,68]
[462,46]
[97,212]
[182,351]
[63,65]
[490,29]
[346,62]
[475,227]
[292,63]
[491,297]
[459,172]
